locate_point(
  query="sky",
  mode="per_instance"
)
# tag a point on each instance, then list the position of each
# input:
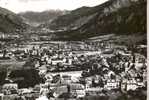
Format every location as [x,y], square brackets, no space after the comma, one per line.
[42,5]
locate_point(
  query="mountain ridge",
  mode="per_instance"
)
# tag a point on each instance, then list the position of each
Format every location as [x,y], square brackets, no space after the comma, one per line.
[10,22]
[38,18]
[126,18]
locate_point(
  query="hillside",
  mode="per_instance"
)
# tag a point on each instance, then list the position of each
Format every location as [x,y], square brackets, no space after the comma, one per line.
[10,22]
[37,18]
[126,20]
[121,17]
[74,19]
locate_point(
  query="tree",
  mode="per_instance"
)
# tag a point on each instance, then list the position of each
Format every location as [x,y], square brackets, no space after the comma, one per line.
[3,74]
[4,53]
[30,77]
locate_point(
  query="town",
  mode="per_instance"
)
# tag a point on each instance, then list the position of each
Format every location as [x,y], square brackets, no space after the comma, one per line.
[71,70]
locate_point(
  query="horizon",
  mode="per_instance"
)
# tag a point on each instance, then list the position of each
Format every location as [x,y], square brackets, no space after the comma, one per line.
[19,6]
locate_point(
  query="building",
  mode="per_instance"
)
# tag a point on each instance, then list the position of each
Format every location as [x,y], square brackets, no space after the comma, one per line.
[78,90]
[10,88]
[131,85]
[65,79]
[60,90]
[44,89]
[93,90]
[25,91]
[112,84]
[1,96]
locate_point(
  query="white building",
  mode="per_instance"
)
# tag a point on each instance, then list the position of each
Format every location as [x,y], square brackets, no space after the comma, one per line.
[112,84]
[131,85]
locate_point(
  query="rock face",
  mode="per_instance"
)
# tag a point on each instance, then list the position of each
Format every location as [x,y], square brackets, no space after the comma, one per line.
[10,22]
[114,16]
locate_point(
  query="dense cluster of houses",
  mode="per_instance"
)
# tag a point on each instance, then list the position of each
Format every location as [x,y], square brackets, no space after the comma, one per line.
[97,70]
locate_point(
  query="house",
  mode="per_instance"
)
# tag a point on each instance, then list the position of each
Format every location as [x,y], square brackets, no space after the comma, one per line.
[78,90]
[140,84]
[131,85]
[34,37]
[60,90]
[144,76]
[1,54]
[88,81]
[112,84]
[42,70]
[25,91]
[55,62]
[37,64]
[34,52]
[93,90]
[48,77]
[44,89]
[10,88]
[75,79]
[65,79]
[110,74]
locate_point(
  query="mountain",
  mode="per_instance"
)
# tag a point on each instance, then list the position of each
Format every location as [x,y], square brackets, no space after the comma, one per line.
[37,18]
[118,19]
[121,17]
[73,19]
[10,22]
